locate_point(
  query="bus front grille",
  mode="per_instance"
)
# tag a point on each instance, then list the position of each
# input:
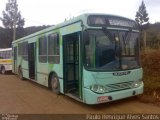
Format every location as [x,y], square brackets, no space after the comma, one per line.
[119,86]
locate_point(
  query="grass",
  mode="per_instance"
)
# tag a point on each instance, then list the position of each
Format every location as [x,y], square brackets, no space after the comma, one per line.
[151,76]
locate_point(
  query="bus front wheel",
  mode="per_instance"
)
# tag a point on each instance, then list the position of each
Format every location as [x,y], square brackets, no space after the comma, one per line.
[55,84]
[3,71]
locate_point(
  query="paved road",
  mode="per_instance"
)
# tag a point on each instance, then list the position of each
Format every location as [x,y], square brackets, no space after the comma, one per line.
[27,97]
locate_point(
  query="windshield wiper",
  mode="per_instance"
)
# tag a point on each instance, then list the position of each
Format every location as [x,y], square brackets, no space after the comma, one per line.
[126,39]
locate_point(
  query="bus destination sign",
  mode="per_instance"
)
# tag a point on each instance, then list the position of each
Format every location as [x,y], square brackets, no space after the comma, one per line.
[120,22]
[111,21]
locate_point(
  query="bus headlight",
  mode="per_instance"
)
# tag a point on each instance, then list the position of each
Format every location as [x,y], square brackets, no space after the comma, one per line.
[98,88]
[136,84]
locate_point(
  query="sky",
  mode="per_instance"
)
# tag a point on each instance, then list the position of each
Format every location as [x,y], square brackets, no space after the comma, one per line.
[52,12]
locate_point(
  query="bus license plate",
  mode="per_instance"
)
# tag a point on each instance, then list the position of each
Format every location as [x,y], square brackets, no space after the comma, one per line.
[102,99]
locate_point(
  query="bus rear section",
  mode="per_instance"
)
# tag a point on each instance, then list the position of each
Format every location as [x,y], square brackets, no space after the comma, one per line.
[5,60]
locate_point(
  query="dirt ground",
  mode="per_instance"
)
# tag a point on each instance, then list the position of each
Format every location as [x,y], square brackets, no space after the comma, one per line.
[27,97]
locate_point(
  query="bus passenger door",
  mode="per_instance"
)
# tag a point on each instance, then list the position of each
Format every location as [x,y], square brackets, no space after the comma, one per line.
[31,60]
[71,65]
[14,60]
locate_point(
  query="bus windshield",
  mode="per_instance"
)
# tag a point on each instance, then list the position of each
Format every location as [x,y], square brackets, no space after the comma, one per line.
[111,50]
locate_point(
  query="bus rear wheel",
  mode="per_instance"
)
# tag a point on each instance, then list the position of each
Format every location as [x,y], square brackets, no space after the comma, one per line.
[55,87]
[3,71]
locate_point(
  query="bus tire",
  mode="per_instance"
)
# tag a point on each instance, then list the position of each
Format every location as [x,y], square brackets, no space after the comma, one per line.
[20,73]
[3,71]
[55,86]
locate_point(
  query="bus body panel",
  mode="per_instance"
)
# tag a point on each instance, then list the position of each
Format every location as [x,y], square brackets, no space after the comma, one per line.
[44,69]
[119,83]
[24,65]
[106,78]
[8,67]
[7,63]
[75,27]
[6,59]
[93,98]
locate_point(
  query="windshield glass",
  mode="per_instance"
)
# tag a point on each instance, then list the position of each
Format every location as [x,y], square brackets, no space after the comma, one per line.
[111,50]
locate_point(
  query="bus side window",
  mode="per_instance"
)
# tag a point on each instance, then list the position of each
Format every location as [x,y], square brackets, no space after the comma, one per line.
[4,54]
[43,49]
[1,55]
[53,49]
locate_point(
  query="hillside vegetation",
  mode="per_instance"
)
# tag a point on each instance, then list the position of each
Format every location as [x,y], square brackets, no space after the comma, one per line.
[153,36]
[151,65]
[6,34]
[151,76]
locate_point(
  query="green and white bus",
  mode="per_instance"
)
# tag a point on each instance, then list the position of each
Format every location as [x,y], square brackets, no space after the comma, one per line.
[93,58]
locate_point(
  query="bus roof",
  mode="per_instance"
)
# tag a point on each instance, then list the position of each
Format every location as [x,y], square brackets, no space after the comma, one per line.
[5,49]
[67,22]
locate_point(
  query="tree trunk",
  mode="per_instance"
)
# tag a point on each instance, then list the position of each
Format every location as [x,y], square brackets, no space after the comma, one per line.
[144,40]
[14,33]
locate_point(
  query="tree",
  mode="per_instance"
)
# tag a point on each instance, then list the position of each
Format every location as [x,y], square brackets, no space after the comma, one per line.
[142,15]
[142,20]
[12,18]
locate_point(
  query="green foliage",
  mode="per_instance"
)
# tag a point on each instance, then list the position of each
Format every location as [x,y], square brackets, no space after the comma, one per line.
[153,36]
[142,15]
[142,20]
[5,38]
[11,15]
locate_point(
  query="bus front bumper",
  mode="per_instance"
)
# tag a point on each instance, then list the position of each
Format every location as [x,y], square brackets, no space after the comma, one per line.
[93,98]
